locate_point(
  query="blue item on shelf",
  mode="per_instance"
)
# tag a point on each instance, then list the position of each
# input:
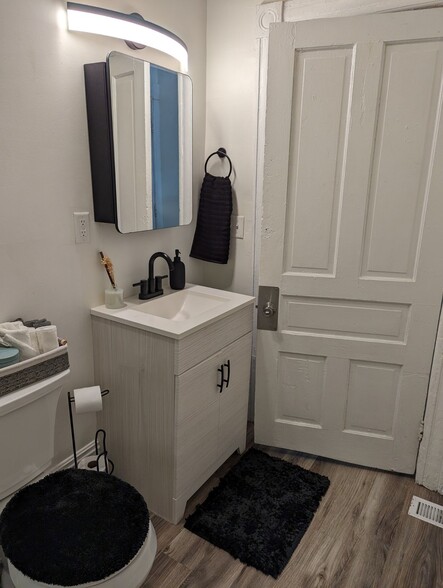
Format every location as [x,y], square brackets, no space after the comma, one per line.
[8,356]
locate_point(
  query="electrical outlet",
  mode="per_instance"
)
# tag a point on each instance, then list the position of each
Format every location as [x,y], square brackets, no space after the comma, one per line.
[81,224]
[238,226]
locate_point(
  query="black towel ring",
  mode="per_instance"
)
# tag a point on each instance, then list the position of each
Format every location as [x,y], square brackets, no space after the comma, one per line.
[221,152]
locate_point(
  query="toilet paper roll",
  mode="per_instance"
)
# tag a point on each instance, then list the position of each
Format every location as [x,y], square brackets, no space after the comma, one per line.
[47,338]
[88,399]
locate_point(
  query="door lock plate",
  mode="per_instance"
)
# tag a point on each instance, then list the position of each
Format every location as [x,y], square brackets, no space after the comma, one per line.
[267,308]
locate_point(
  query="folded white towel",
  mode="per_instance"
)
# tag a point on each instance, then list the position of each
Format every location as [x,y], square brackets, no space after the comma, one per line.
[22,341]
[29,341]
[12,326]
[33,338]
[15,334]
[47,338]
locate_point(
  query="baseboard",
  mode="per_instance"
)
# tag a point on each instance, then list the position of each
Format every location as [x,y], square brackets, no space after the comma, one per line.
[88,449]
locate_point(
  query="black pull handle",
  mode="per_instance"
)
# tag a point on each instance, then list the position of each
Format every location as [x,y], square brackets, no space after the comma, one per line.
[222,379]
[228,365]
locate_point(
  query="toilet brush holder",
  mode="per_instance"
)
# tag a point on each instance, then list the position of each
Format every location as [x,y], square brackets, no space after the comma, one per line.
[103,463]
[101,456]
[99,462]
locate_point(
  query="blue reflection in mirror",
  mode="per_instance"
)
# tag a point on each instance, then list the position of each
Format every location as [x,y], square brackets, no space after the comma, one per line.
[164,147]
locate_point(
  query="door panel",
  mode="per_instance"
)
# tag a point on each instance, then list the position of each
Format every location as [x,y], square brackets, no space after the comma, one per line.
[345,318]
[315,165]
[301,388]
[372,398]
[352,235]
[401,162]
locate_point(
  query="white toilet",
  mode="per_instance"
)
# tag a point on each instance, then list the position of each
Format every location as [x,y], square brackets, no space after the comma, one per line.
[27,423]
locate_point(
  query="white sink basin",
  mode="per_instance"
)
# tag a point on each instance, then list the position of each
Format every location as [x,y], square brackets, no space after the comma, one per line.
[178,313]
[182,305]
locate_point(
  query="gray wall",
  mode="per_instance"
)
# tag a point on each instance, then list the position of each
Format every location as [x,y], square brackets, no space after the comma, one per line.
[231,121]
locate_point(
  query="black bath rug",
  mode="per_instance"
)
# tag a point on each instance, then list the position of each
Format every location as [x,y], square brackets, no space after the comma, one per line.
[260,510]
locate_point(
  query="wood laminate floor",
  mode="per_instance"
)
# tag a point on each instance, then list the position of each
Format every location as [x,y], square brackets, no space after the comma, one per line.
[360,537]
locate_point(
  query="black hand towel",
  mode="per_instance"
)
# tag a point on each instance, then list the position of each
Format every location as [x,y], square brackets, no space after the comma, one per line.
[213,231]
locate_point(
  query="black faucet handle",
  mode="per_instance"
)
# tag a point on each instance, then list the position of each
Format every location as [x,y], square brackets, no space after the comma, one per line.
[143,289]
[158,283]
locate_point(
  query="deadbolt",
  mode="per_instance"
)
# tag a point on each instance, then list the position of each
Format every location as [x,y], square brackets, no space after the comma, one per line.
[268,309]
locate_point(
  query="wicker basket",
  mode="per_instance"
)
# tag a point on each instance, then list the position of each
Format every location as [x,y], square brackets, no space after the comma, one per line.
[33,370]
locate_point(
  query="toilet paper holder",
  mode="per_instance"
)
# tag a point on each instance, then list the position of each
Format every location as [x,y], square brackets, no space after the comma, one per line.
[100,455]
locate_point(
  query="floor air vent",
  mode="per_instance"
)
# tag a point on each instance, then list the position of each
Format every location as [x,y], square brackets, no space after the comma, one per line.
[426,511]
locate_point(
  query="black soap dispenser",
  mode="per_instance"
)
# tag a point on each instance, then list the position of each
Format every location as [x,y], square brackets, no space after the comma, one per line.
[177,278]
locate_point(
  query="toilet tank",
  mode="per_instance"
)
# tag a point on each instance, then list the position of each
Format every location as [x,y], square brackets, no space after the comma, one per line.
[27,423]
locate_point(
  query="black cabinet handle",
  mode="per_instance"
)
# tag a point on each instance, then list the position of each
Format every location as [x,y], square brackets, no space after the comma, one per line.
[228,365]
[222,380]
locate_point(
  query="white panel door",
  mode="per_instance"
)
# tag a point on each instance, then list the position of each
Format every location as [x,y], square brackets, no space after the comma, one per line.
[352,234]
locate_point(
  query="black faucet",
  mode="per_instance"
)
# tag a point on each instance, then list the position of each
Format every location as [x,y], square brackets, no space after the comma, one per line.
[153,285]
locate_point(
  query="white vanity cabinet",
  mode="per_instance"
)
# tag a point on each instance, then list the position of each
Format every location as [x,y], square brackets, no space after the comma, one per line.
[169,418]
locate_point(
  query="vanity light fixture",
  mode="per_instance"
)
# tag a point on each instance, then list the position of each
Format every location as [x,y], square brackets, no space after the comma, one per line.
[132,28]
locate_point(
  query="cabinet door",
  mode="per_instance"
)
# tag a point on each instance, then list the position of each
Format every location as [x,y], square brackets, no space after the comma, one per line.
[197,415]
[234,398]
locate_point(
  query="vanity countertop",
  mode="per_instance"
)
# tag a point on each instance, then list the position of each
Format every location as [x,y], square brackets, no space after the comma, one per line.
[176,314]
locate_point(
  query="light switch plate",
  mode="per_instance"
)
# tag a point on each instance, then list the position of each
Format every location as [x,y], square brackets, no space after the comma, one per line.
[238,226]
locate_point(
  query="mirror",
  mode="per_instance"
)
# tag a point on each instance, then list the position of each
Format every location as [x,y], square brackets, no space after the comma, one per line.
[140,143]
[151,113]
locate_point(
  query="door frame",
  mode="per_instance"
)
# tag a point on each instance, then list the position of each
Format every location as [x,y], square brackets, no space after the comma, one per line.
[430,459]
